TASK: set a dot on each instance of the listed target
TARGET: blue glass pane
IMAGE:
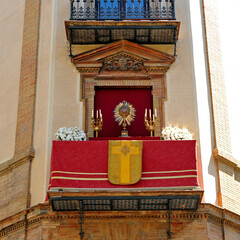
(120, 9)
(134, 9)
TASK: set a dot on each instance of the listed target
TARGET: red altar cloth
(123, 138)
(84, 165)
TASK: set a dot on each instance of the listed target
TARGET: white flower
(174, 133)
(71, 134)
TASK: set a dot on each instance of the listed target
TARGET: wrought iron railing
(122, 9)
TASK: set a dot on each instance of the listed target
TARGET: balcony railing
(122, 9)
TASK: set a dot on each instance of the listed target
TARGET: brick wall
(15, 173)
(28, 76)
(229, 186)
(14, 189)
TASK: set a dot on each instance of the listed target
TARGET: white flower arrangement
(71, 134)
(174, 133)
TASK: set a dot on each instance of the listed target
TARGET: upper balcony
(139, 21)
(122, 10)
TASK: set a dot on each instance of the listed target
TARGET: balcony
(84, 166)
(80, 179)
(139, 21)
(122, 10)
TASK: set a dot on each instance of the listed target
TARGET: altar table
(82, 165)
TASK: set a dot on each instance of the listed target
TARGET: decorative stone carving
(122, 63)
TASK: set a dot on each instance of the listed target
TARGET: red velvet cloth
(83, 165)
(123, 138)
(108, 99)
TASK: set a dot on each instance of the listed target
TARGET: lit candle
(145, 112)
(97, 113)
(100, 112)
(150, 113)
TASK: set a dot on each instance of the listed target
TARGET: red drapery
(83, 165)
(107, 100)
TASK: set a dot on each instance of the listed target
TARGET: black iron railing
(122, 9)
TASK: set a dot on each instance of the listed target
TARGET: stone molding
(15, 162)
(41, 212)
(228, 158)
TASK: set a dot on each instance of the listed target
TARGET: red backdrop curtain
(107, 99)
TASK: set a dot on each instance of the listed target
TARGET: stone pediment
(122, 56)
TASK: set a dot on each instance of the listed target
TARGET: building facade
(58, 55)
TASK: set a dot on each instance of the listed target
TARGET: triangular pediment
(131, 50)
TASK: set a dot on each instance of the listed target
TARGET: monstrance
(124, 114)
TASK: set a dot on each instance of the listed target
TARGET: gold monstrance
(124, 113)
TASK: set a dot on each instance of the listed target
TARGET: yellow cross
(125, 150)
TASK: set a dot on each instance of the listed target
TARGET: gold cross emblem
(125, 162)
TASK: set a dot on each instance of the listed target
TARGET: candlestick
(150, 122)
(97, 123)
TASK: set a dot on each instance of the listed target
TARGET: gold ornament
(124, 114)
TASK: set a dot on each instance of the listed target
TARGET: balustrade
(122, 9)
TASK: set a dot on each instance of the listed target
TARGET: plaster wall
(66, 101)
(43, 106)
(180, 104)
(11, 22)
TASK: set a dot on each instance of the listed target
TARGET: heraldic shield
(124, 162)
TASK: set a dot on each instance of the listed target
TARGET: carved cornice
(162, 70)
(89, 70)
(43, 212)
(12, 228)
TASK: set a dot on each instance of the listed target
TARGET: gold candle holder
(150, 122)
(97, 123)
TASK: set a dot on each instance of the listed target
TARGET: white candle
(150, 113)
(97, 113)
(145, 112)
(100, 112)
